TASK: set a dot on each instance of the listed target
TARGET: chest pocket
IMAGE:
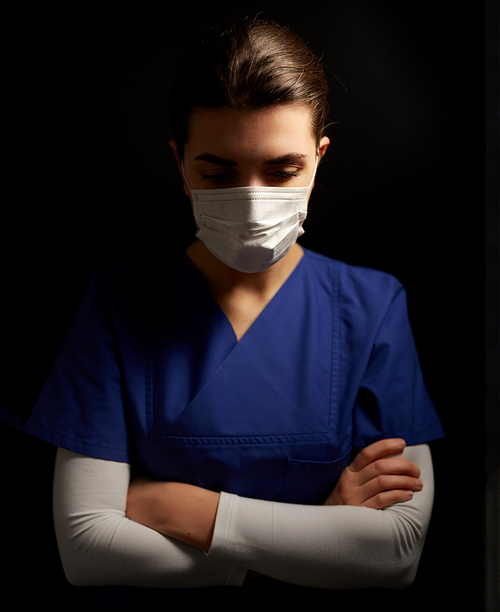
(310, 482)
(270, 469)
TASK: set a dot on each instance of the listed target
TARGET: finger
(388, 466)
(383, 484)
(388, 498)
(377, 450)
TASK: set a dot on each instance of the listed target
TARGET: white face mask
(250, 228)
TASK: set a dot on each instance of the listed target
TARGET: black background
(90, 180)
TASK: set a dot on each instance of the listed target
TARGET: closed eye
(276, 176)
(216, 178)
(285, 175)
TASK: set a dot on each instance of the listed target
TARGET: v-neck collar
(206, 379)
(208, 296)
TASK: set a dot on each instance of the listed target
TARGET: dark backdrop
(90, 180)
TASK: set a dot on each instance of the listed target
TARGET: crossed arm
(369, 532)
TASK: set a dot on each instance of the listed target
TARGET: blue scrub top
(152, 374)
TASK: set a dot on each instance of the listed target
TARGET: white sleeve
(99, 545)
(339, 547)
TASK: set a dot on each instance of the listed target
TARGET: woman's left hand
(378, 477)
(175, 509)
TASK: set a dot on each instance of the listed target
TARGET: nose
(251, 179)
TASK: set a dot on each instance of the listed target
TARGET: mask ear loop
(184, 177)
(315, 168)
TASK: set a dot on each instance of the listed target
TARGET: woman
(236, 381)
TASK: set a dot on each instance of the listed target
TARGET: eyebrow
(282, 159)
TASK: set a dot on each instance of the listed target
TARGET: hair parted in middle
(246, 65)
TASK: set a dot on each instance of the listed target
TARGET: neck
(223, 280)
(242, 297)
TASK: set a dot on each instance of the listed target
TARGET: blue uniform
(152, 374)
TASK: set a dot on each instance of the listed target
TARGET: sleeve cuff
(219, 548)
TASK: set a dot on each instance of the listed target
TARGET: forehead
(266, 132)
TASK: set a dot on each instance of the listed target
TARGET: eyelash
(280, 175)
(285, 176)
(216, 178)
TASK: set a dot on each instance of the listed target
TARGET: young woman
(209, 407)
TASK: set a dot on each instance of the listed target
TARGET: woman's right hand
(378, 477)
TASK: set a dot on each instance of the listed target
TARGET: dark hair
(246, 65)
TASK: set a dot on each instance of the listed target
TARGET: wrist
(178, 510)
(192, 514)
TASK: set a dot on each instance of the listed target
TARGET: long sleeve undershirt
(317, 546)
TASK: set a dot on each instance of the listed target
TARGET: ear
(175, 151)
(177, 156)
(323, 146)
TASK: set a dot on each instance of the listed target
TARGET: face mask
(250, 228)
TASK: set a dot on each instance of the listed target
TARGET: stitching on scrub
(335, 343)
(149, 394)
(304, 462)
(242, 440)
